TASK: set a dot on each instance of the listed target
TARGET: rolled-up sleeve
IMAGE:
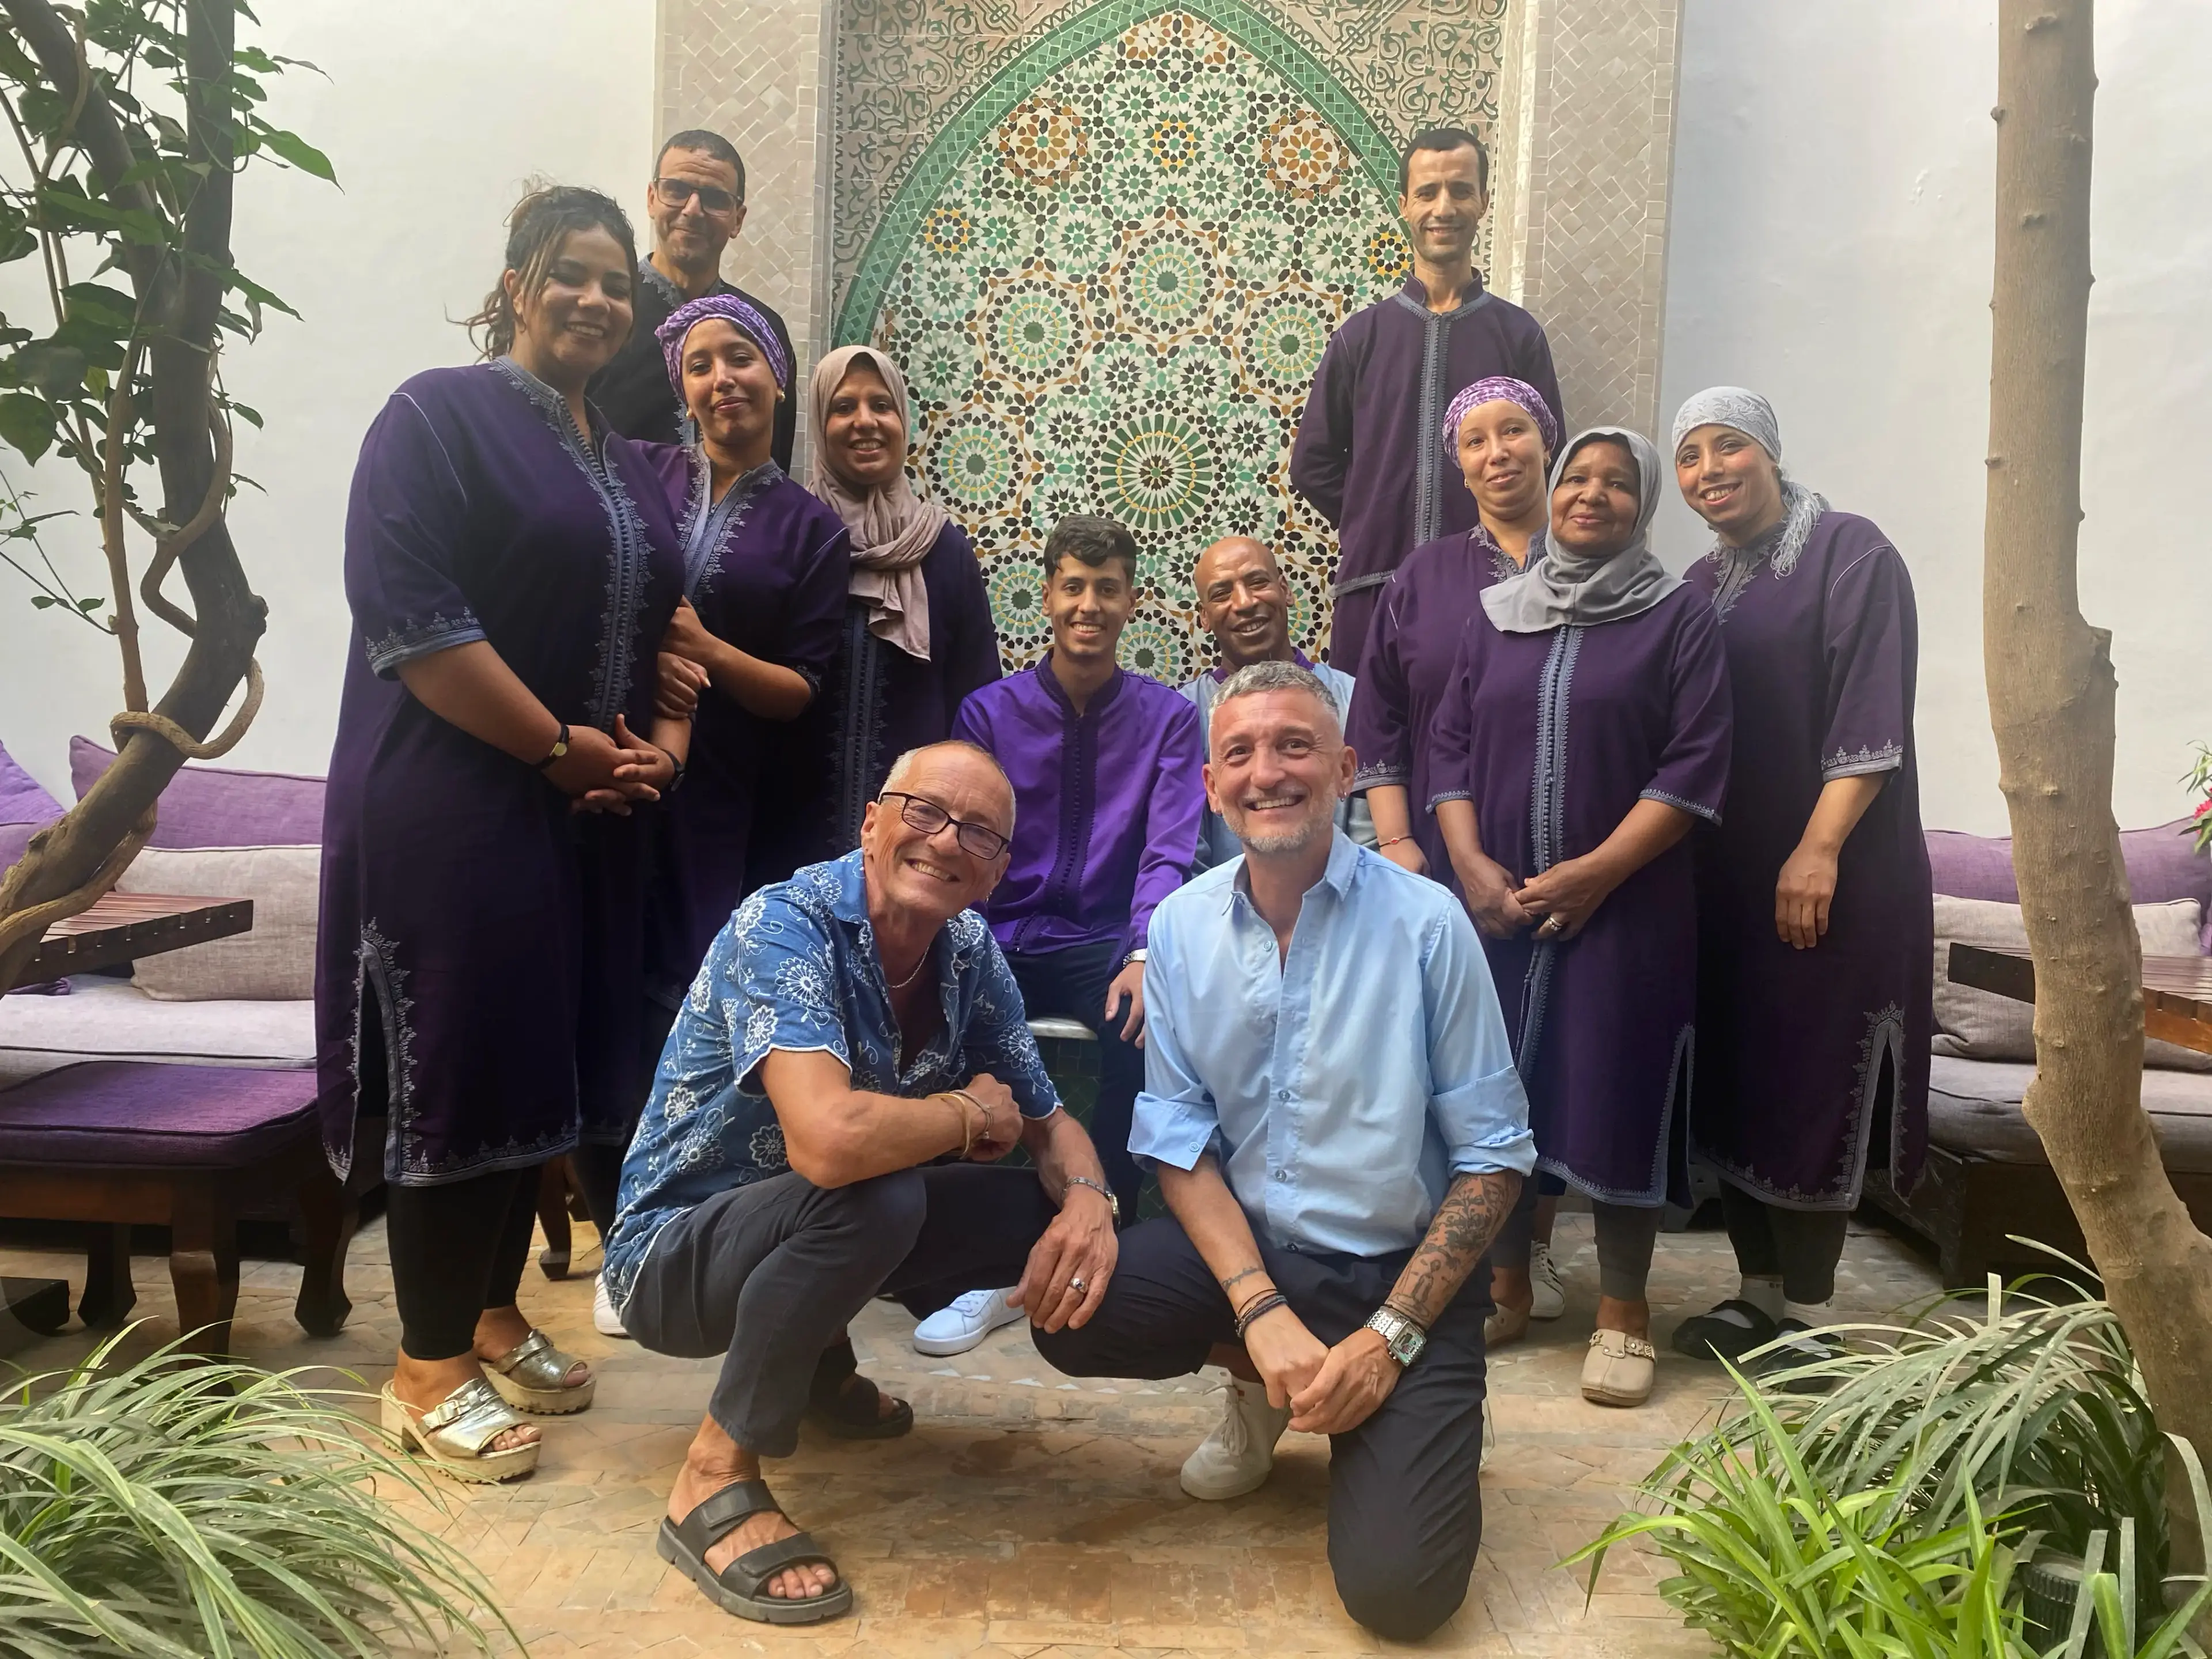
(1175, 1120)
(1476, 1095)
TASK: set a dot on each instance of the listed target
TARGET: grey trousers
(1625, 1236)
(769, 1274)
(1800, 1248)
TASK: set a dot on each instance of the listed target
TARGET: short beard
(1281, 840)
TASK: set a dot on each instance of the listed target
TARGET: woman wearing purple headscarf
(1818, 946)
(1584, 733)
(1502, 434)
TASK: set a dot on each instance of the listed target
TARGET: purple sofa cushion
(22, 800)
(131, 1115)
(2161, 867)
(211, 806)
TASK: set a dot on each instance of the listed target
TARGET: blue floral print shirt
(795, 969)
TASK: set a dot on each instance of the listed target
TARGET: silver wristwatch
(1403, 1340)
(1113, 1204)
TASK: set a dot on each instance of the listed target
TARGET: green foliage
(1888, 1512)
(111, 250)
(174, 1509)
(2198, 782)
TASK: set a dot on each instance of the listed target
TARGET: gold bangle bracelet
(951, 1098)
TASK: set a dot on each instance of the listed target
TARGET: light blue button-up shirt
(1343, 1085)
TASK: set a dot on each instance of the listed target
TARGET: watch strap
(559, 748)
(1113, 1204)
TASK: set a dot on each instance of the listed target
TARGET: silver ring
(1077, 1284)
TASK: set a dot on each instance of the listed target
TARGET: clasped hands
(604, 774)
(1558, 903)
(1329, 1390)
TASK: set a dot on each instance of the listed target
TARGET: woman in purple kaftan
(1817, 947)
(1585, 730)
(1500, 433)
(916, 635)
(511, 571)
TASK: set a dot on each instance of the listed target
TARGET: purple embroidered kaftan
(876, 702)
(1793, 1046)
(479, 945)
(1110, 803)
(1411, 651)
(765, 569)
(1368, 455)
(1554, 737)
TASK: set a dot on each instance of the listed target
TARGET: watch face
(1406, 1346)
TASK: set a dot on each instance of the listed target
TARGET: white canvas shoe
(1543, 1276)
(1238, 1456)
(969, 1319)
(604, 1320)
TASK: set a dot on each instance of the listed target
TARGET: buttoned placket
(1288, 1014)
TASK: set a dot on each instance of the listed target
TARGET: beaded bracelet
(1392, 841)
(1260, 1306)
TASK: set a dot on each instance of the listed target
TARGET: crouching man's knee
(1402, 1597)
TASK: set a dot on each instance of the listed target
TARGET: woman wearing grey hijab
(1817, 938)
(1585, 731)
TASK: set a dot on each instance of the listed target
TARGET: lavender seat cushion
(2161, 867)
(213, 806)
(111, 1114)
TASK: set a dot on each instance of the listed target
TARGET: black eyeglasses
(675, 192)
(919, 812)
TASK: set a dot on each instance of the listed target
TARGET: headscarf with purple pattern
(731, 309)
(1494, 388)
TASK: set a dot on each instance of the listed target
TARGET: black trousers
(1070, 984)
(456, 1250)
(1405, 1512)
(769, 1275)
(1800, 1248)
(598, 1165)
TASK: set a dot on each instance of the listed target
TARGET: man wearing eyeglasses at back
(696, 202)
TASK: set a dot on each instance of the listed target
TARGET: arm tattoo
(1469, 1217)
(1242, 1273)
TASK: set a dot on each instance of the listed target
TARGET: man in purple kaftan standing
(1108, 769)
(1366, 454)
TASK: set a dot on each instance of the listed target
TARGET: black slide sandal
(737, 1587)
(847, 1404)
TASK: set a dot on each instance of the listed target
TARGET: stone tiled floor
(1028, 1514)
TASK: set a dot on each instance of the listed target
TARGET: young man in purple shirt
(1108, 791)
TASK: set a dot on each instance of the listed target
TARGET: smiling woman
(511, 569)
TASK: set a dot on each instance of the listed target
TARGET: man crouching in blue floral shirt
(851, 1057)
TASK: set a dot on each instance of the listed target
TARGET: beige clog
(530, 1377)
(1618, 1370)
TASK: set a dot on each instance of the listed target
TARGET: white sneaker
(1238, 1456)
(1543, 1276)
(604, 1320)
(969, 1319)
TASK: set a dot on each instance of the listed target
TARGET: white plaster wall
(434, 114)
(1831, 247)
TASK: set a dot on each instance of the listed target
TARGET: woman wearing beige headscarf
(918, 635)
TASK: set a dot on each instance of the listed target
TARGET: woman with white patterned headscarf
(1816, 948)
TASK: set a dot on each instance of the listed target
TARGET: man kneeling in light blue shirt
(1331, 1105)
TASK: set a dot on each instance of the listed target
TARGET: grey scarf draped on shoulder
(1565, 588)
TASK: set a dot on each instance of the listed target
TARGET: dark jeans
(1405, 1513)
(1800, 1248)
(456, 1250)
(1070, 984)
(768, 1274)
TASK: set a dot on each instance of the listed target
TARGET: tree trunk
(2051, 684)
(74, 860)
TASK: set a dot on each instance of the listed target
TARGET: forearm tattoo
(1229, 1283)
(1469, 1217)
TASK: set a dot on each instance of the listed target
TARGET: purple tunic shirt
(1555, 737)
(495, 939)
(1793, 1046)
(1368, 453)
(1410, 653)
(1108, 803)
(765, 567)
(876, 702)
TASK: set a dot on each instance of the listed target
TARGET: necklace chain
(900, 984)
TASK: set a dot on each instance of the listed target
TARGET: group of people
(681, 823)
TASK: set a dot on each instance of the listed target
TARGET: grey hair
(1271, 676)
(902, 769)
